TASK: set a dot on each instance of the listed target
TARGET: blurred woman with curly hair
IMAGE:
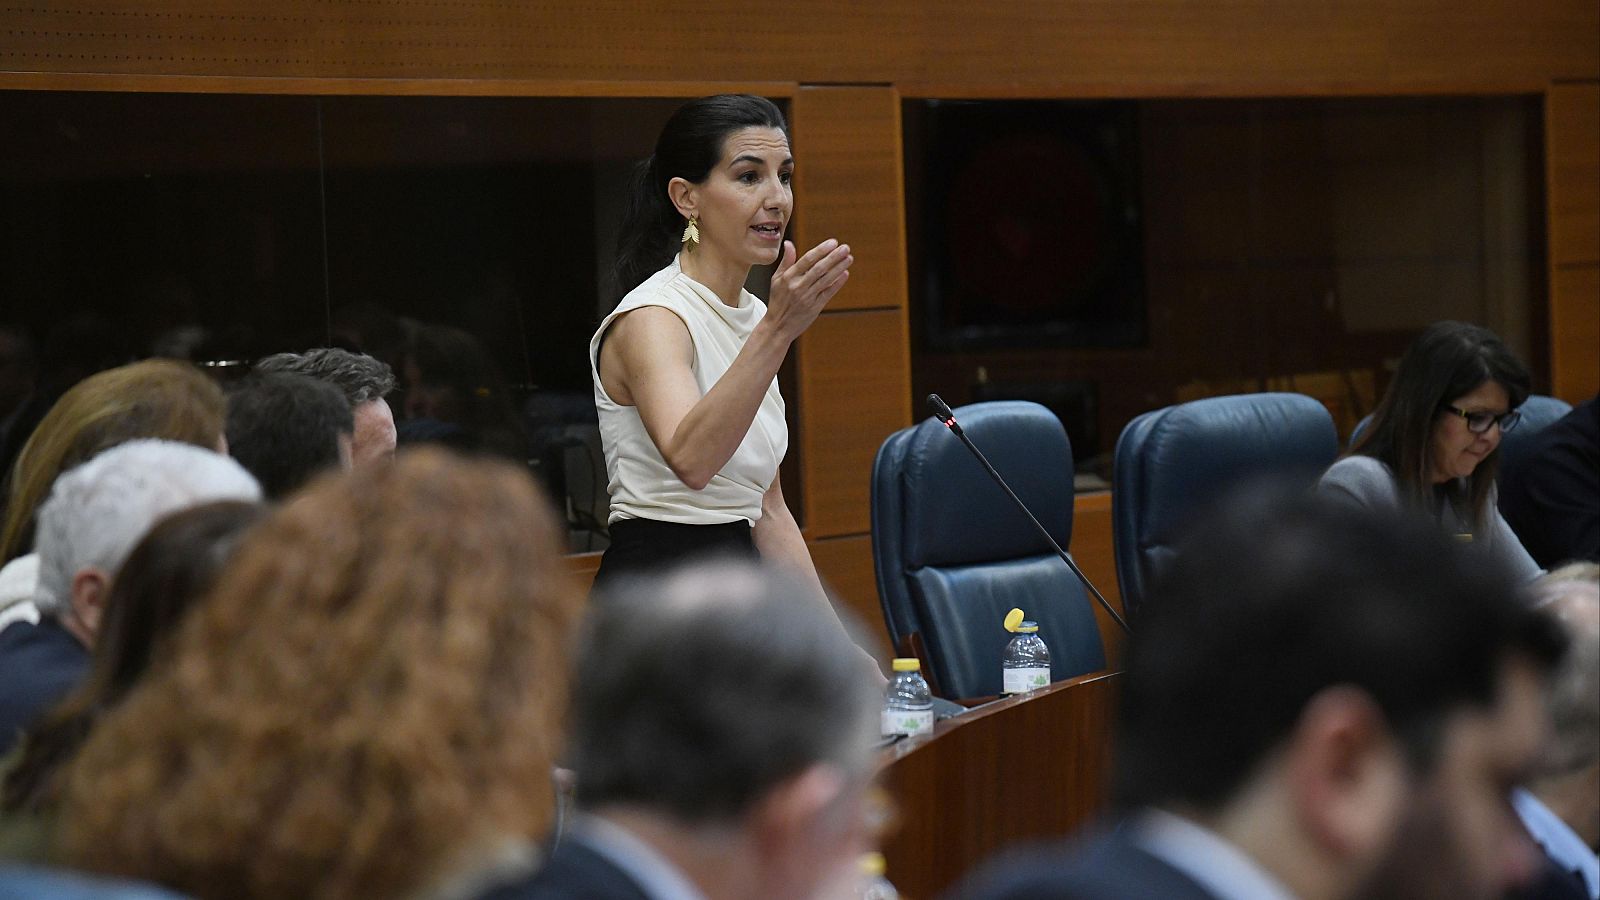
(367, 705)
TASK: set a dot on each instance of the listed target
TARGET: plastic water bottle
(874, 886)
(1027, 661)
(907, 704)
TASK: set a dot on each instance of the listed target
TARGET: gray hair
(1571, 595)
(697, 694)
(98, 511)
(359, 377)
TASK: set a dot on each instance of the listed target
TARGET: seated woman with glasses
(1433, 442)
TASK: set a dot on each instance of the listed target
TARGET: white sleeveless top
(642, 485)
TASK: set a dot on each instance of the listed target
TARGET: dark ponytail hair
(689, 147)
(1448, 359)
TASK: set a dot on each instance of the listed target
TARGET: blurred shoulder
(573, 872)
(1108, 865)
(26, 883)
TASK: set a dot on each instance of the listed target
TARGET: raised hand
(802, 287)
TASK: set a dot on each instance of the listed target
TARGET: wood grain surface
(1023, 769)
(927, 47)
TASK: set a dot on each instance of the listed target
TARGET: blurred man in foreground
(1561, 805)
(1318, 703)
(723, 735)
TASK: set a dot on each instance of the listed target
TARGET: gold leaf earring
(691, 233)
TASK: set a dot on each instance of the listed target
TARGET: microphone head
(941, 409)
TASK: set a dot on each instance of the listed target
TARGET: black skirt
(647, 546)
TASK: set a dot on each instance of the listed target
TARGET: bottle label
(1021, 681)
(907, 721)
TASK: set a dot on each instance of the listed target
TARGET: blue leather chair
(1173, 463)
(1538, 411)
(953, 554)
(29, 883)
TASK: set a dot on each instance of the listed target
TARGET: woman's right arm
(646, 362)
(1505, 544)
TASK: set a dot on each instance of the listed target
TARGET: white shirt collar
(655, 875)
(1559, 841)
(1203, 855)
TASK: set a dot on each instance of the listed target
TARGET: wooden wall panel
(1572, 145)
(1088, 47)
(1572, 122)
(583, 567)
(854, 364)
(849, 185)
(1091, 549)
(1575, 332)
(855, 389)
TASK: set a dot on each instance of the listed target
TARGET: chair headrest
(1191, 452)
(955, 514)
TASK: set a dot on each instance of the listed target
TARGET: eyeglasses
(1479, 422)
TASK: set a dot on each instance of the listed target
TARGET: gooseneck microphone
(941, 411)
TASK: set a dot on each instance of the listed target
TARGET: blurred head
(726, 700)
(363, 380)
(98, 511)
(1454, 380)
(692, 145)
(1362, 682)
(455, 397)
(167, 571)
(448, 376)
(368, 698)
(156, 398)
(1568, 775)
(287, 428)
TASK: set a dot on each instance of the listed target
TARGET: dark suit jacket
(1551, 495)
(1107, 866)
(1553, 883)
(573, 872)
(39, 665)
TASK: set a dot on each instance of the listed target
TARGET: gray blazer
(1367, 482)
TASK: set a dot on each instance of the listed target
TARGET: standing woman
(1434, 440)
(685, 369)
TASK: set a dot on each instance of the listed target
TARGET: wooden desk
(1019, 769)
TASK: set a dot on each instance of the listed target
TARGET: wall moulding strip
(411, 87)
(1163, 90)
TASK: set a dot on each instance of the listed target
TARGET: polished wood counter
(1019, 769)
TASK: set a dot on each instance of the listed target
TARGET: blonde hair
(156, 398)
(1551, 583)
(371, 694)
(1571, 595)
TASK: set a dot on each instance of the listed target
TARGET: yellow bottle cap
(908, 664)
(872, 865)
(1013, 619)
